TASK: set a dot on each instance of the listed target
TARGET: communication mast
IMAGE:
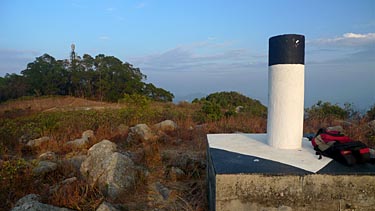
(73, 53)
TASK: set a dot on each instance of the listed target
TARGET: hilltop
(48, 146)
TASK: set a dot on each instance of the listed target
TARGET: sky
(197, 47)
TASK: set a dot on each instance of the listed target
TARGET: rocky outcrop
(32, 202)
(140, 133)
(38, 142)
(166, 126)
(112, 171)
(44, 167)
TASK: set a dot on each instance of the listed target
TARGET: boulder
(166, 126)
(56, 187)
(83, 142)
(105, 206)
(32, 202)
(140, 133)
(48, 156)
(44, 167)
(76, 161)
(79, 143)
(88, 134)
(186, 161)
(238, 109)
(111, 171)
(38, 142)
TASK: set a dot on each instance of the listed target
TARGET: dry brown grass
(26, 106)
(77, 195)
(16, 180)
(188, 191)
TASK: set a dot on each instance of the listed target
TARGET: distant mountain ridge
(189, 97)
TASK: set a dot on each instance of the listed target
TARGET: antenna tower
(73, 53)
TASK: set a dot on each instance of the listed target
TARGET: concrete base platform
(240, 177)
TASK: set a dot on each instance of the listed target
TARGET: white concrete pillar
(286, 74)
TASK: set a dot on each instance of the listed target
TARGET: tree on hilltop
(101, 78)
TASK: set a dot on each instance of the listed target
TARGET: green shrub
(8, 134)
(15, 181)
(323, 110)
(135, 100)
(209, 111)
(370, 114)
(230, 101)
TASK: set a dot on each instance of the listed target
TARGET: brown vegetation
(65, 118)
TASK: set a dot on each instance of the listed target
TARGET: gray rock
(238, 109)
(164, 191)
(75, 161)
(31, 203)
(105, 206)
(83, 142)
(88, 134)
(44, 167)
(56, 187)
(69, 181)
(139, 133)
(110, 170)
(79, 143)
(166, 126)
(105, 147)
(38, 142)
(48, 156)
(186, 161)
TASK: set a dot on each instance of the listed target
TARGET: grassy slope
(65, 118)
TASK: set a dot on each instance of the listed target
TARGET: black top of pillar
(286, 49)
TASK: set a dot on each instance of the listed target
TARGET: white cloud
(359, 36)
(195, 57)
(104, 38)
(347, 39)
